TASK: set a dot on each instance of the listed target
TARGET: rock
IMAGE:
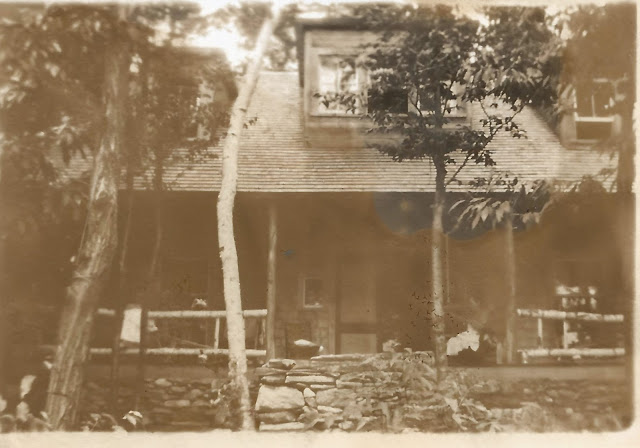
(278, 417)
(264, 371)
(319, 387)
(336, 397)
(293, 426)
(273, 380)
(309, 397)
(347, 425)
(178, 389)
(286, 364)
(309, 379)
(194, 394)
(352, 412)
(162, 382)
(329, 410)
(177, 403)
(278, 399)
(200, 404)
(312, 372)
(348, 384)
(308, 393)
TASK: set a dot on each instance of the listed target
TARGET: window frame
(592, 118)
(361, 75)
(303, 292)
(459, 111)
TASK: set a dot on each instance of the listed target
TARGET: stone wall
(168, 404)
(343, 392)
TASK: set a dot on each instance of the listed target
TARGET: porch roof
(274, 155)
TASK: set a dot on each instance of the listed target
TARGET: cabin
(333, 237)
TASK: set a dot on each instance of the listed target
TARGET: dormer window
(426, 103)
(339, 85)
(594, 102)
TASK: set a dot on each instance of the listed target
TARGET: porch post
(271, 282)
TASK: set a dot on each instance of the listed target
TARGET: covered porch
(348, 271)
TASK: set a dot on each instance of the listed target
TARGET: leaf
(484, 214)
(460, 202)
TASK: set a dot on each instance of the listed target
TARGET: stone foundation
(344, 392)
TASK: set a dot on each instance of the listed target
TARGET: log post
(510, 264)
(271, 282)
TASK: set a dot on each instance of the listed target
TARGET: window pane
(337, 74)
(594, 100)
(603, 99)
(394, 101)
(427, 102)
(593, 130)
(313, 292)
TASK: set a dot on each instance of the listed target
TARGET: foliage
(438, 60)
(499, 199)
(246, 17)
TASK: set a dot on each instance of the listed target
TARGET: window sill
(594, 119)
(337, 114)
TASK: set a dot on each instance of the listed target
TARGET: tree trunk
(271, 282)
(510, 311)
(120, 299)
(95, 254)
(4, 302)
(626, 208)
(437, 273)
(226, 238)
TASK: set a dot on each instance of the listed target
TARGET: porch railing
(215, 317)
(566, 351)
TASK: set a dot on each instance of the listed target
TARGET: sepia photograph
(393, 219)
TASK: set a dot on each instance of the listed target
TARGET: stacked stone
(342, 392)
(166, 405)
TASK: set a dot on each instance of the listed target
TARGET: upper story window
(594, 102)
(339, 85)
(343, 89)
(198, 96)
(426, 102)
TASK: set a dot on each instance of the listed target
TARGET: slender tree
(98, 246)
(226, 238)
(438, 61)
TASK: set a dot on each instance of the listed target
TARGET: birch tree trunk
(437, 271)
(95, 254)
(226, 237)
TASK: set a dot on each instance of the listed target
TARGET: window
(426, 102)
(395, 101)
(198, 96)
(338, 76)
(313, 293)
(593, 104)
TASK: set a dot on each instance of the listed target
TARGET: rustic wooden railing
(565, 350)
(214, 349)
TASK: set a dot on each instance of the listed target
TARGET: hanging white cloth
(131, 325)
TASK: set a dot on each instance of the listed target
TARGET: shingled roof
(275, 158)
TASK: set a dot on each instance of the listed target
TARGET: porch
(349, 271)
